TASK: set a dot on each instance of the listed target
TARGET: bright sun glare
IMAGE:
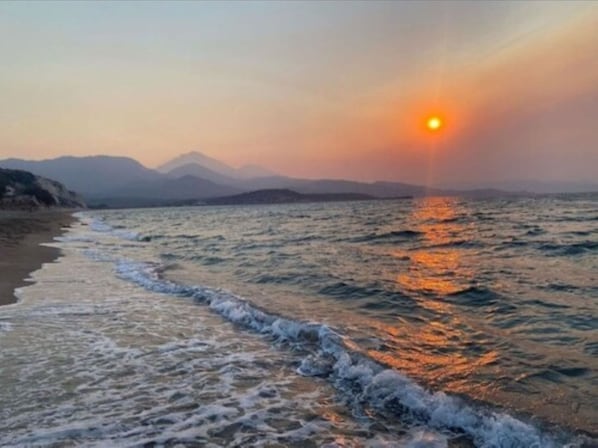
(434, 123)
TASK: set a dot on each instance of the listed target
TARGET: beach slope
(21, 233)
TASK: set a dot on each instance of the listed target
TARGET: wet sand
(21, 234)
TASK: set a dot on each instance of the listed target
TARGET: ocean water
(437, 322)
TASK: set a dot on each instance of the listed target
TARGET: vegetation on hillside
(23, 189)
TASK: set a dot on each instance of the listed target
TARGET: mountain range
(89, 176)
(124, 182)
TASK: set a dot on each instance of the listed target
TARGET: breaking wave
(361, 380)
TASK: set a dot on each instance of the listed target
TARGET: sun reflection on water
(437, 267)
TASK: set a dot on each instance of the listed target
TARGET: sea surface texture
(437, 322)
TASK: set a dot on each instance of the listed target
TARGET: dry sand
(21, 234)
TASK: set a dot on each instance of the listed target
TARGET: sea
(425, 322)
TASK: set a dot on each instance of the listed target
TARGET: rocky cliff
(21, 189)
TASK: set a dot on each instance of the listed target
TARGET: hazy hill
(90, 176)
(120, 181)
(196, 158)
(250, 171)
(283, 196)
(194, 169)
(535, 186)
(22, 189)
(307, 186)
(165, 189)
(379, 189)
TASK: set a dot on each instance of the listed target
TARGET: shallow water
(430, 322)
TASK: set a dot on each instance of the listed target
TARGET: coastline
(21, 253)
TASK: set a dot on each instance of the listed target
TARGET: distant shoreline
(21, 236)
(258, 197)
(264, 197)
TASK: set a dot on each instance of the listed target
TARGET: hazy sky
(315, 89)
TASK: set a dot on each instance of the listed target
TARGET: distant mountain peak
(193, 153)
(214, 165)
(196, 157)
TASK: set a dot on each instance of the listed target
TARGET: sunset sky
(309, 89)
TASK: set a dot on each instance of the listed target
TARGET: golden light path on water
(436, 271)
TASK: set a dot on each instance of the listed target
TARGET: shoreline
(21, 253)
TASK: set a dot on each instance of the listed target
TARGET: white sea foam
(426, 439)
(120, 366)
(18, 292)
(361, 378)
(78, 238)
(98, 225)
(101, 226)
(97, 255)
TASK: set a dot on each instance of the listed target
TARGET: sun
(434, 123)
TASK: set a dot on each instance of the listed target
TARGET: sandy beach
(21, 234)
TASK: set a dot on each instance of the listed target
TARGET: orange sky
(309, 89)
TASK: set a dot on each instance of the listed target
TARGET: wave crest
(361, 380)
